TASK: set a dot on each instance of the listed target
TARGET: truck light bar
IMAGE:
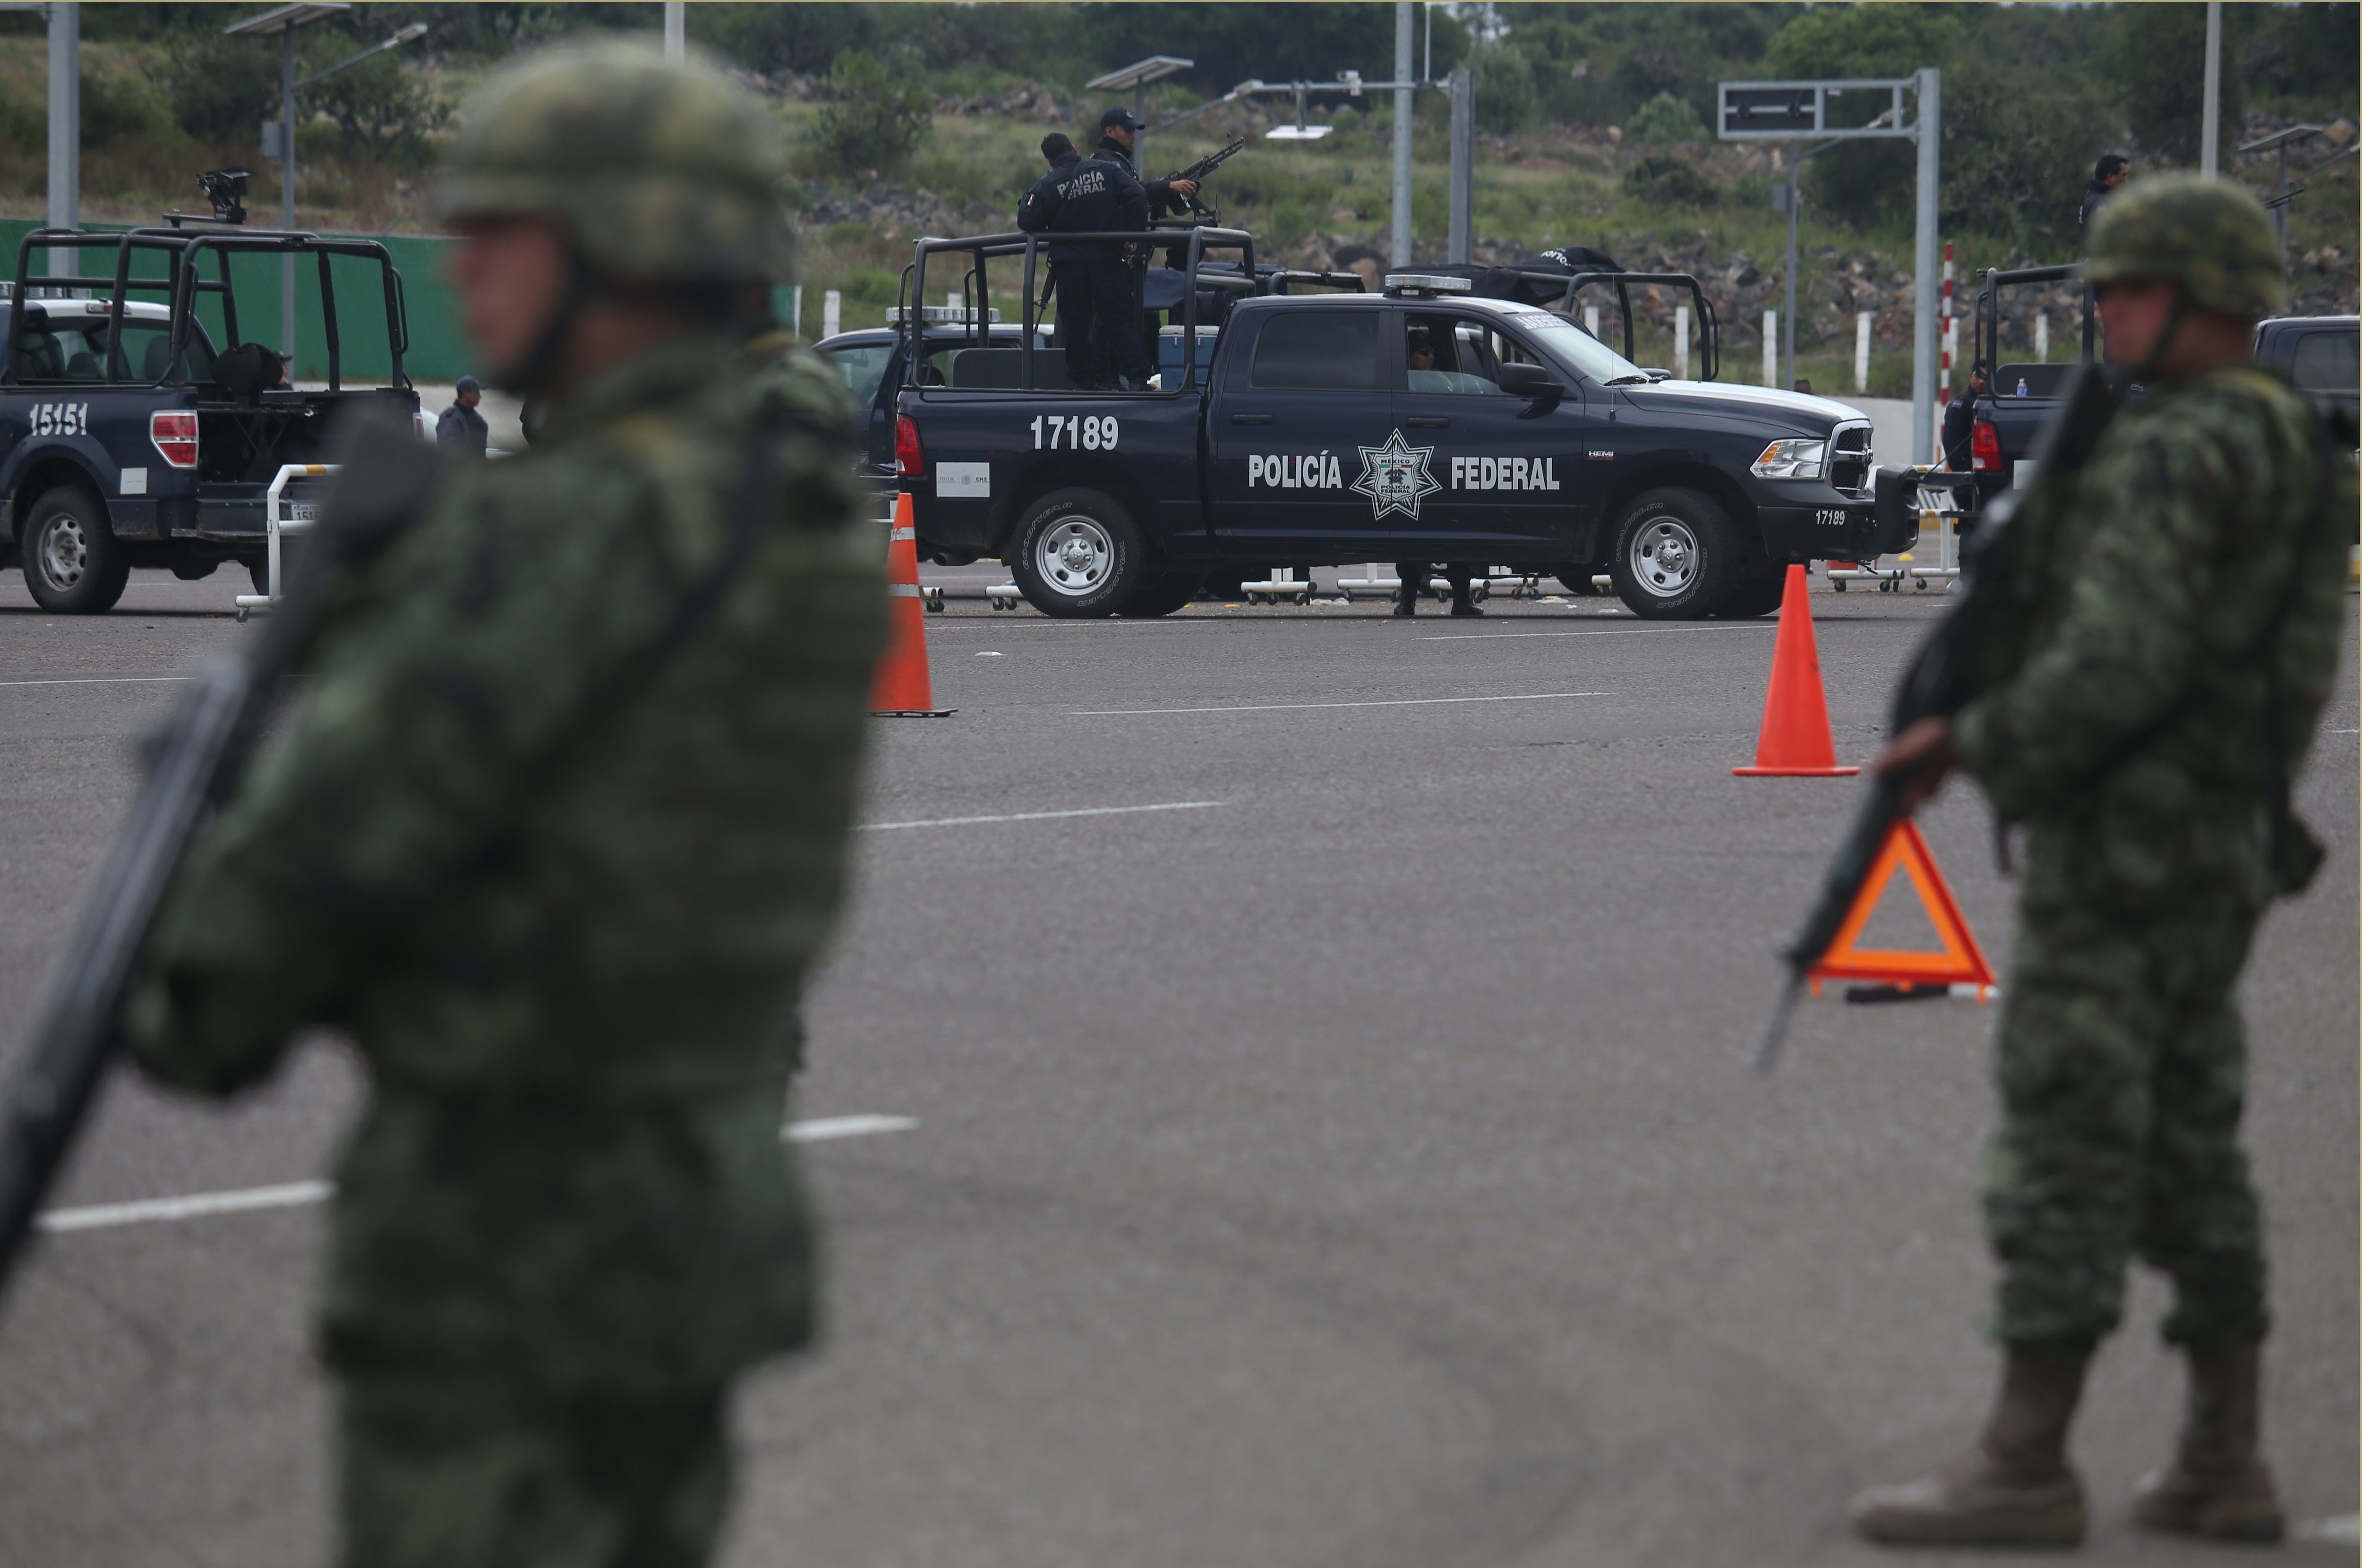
(897, 315)
(1425, 283)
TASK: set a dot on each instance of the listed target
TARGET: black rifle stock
(1937, 683)
(195, 763)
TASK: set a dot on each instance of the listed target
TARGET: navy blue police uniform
(1103, 320)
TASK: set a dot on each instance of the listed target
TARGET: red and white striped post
(1943, 372)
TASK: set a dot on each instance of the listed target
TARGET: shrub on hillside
(1665, 118)
(871, 120)
(1663, 179)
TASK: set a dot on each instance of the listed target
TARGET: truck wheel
(1162, 594)
(72, 563)
(1676, 556)
(1078, 555)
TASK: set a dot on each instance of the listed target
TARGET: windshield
(1593, 360)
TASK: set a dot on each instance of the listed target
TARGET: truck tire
(1676, 556)
(1078, 556)
(1162, 593)
(73, 566)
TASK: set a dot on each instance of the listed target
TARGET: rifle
(195, 763)
(1937, 683)
(1199, 169)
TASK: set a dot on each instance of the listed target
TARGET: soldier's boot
(2217, 1485)
(2015, 1488)
(1406, 598)
(1462, 603)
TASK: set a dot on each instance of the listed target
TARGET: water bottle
(2021, 386)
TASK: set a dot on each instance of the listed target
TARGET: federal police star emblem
(1395, 477)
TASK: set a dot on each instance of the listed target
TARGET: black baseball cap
(1120, 117)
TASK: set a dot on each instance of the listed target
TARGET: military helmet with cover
(656, 169)
(2208, 235)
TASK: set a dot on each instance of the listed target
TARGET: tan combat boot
(2216, 1486)
(2015, 1488)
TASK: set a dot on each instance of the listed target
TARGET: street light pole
(2209, 119)
(1930, 129)
(1403, 100)
(1788, 322)
(287, 193)
(65, 126)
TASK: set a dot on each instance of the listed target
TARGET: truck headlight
(1791, 459)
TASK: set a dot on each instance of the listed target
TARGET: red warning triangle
(1961, 962)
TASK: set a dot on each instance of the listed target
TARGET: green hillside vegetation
(1594, 126)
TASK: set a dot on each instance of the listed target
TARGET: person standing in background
(461, 430)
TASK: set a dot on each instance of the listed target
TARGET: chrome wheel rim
(1075, 556)
(65, 553)
(1664, 557)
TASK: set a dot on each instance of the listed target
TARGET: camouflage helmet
(2208, 235)
(656, 169)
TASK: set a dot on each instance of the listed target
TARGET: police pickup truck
(146, 432)
(1420, 423)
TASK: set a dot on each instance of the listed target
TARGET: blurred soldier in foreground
(2175, 635)
(555, 837)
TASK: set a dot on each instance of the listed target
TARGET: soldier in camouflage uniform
(2176, 612)
(554, 836)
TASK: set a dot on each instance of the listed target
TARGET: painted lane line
(1284, 707)
(2339, 1530)
(1044, 816)
(295, 1194)
(198, 1205)
(107, 680)
(1603, 632)
(827, 1128)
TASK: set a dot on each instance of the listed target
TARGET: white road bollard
(832, 313)
(1681, 343)
(1003, 595)
(1862, 351)
(280, 517)
(1771, 348)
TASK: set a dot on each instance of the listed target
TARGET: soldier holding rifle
(2161, 633)
(557, 830)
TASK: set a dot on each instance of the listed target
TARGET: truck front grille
(1849, 457)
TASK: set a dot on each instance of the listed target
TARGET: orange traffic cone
(1795, 740)
(1959, 962)
(901, 689)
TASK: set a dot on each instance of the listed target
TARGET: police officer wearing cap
(462, 431)
(553, 838)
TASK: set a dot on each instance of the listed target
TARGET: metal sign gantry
(1795, 111)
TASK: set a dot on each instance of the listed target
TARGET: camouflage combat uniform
(556, 851)
(2129, 730)
(2173, 615)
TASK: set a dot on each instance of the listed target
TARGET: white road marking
(2338, 1529)
(99, 1216)
(1281, 707)
(107, 681)
(2345, 732)
(293, 1194)
(1043, 816)
(1604, 632)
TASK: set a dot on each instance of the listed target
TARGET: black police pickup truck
(130, 435)
(1421, 422)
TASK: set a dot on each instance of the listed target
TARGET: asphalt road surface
(1348, 1163)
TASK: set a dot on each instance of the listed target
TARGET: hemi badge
(1610, 455)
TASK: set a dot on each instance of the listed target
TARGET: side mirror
(1531, 383)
